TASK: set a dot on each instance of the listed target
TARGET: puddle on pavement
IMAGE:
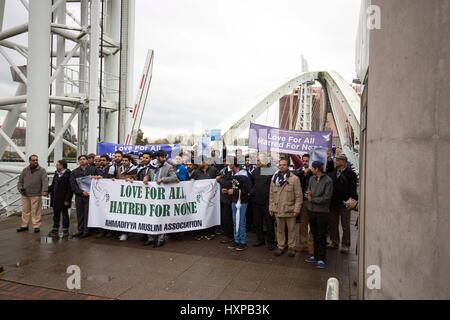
(45, 240)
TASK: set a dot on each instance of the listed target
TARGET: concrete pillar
(94, 63)
(38, 74)
(2, 13)
(112, 70)
(59, 85)
(126, 67)
(407, 169)
(83, 78)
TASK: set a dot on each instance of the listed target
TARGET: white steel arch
(343, 100)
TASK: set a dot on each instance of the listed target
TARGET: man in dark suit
(60, 198)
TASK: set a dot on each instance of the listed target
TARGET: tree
(161, 141)
(140, 140)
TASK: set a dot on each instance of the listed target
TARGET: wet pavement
(182, 269)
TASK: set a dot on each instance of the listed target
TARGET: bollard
(332, 289)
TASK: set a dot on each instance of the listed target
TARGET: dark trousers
(318, 222)
(249, 217)
(57, 218)
(82, 205)
(342, 214)
(226, 219)
(261, 218)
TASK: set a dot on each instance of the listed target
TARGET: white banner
(154, 209)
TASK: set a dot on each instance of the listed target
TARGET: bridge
(399, 114)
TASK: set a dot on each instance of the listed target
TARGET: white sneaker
(123, 237)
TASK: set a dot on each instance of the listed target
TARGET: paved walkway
(182, 269)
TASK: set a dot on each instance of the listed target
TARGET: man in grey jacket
(320, 191)
(32, 185)
(163, 173)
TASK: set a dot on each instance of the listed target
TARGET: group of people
(319, 197)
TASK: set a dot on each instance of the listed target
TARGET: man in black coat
(344, 188)
(224, 178)
(60, 198)
(82, 196)
(306, 240)
(262, 177)
(204, 171)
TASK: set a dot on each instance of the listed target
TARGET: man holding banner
(80, 181)
(240, 192)
(164, 173)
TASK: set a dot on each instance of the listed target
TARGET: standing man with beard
(285, 204)
(319, 193)
(60, 198)
(82, 197)
(205, 171)
(113, 169)
(144, 166)
(260, 204)
(239, 192)
(163, 173)
(32, 185)
(306, 241)
(344, 188)
(224, 179)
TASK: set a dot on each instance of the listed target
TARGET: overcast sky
(216, 58)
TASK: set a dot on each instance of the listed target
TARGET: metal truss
(79, 53)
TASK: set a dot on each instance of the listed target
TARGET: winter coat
(344, 187)
(33, 182)
(261, 188)
(286, 201)
(60, 191)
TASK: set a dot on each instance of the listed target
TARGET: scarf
(279, 179)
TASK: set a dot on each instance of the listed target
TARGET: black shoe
(209, 237)
(100, 235)
(279, 252)
(148, 242)
(109, 234)
(65, 234)
(84, 235)
(259, 244)
(22, 229)
(241, 247)
(159, 244)
(291, 253)
(271, 247)
(53, 233)
(226, 240)
(233, 245)
(37, 230)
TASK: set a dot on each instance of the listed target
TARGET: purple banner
(270, 139)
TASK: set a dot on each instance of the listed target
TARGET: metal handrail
(9, 180)
(10, 203)
(7, 190)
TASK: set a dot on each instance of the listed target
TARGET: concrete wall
(407, 194)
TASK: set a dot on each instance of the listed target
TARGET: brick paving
(182, 269)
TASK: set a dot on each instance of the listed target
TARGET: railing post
(332, 289)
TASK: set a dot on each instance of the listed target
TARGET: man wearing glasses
(32, 185)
